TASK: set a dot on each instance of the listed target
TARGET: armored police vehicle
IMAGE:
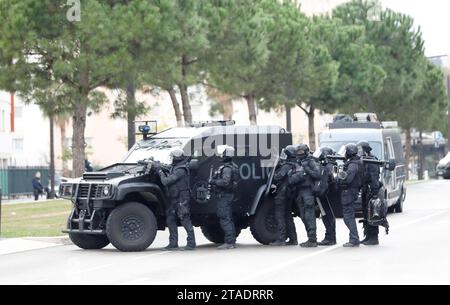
(385, 140)
(125, 203)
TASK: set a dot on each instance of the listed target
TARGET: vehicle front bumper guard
(83, 224)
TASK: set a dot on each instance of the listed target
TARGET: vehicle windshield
(339, 147)
(158, 149)
(445, 160)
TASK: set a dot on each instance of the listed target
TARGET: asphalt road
(417, 251)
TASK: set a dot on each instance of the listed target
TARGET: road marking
(311, 255)
(421, 219)
(287, 263)
(35, 282)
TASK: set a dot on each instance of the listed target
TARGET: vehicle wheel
(215, 234)
(89, 242)
(398, 207)
(263, 225)
(131, 227)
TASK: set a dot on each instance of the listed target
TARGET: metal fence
(17, 181)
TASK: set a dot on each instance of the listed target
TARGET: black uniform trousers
(307, 208)
(225, 215)
(349, 197)
(329, 220)
(179, 209)
(283, 216)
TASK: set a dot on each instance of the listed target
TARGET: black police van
(385, 140)
(125, 203)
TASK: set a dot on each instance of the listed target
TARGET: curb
(19, 245)
(58, 240)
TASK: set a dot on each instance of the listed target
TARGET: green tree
(136, 22)
(240, 50)
(179, 48)
(301, 66)
(82, 56)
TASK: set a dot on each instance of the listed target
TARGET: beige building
(106, 137)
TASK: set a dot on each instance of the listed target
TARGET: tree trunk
(251, 104)
(51, 194)
(78, 140)
(289, 118)
(131, 113)
(176, 107)
(187, 112)
(311, 128)
(65, 166)
(421, 157)
(408, 150)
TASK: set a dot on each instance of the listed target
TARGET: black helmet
(290, 151)
(177, 155)
(351, 150)
(302, 151)
(323, 152)
(227, 154)
(365, 146)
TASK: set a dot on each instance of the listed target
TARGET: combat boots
(227, 247)
(309, 244)
(327, 243)
(292, 242)
(171, 247)
(370, 241)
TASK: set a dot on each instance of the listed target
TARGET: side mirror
(193, 165)
(391, 165)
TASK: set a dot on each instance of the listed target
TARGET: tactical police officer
(370, 189)
(350, 180)
(283, 199)
(305, 180)
(176, 181)
(225, 181)
(327, 167)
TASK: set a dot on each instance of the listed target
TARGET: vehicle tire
(89, 242)
(398, 207)
(215, 234)
(131, 227)
(263, 225)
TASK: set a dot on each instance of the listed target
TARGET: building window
(18, 145)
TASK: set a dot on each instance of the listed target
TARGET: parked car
(385, 140)
(443, 167)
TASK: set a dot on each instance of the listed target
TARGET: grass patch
(40, 219)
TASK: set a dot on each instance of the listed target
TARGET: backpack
(320, 187)
(377, 213)
(361, 172)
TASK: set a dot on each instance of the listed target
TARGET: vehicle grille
(96, 191)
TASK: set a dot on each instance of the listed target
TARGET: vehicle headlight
(67, 190)
(106, 190)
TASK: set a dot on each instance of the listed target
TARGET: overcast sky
(433, 17)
